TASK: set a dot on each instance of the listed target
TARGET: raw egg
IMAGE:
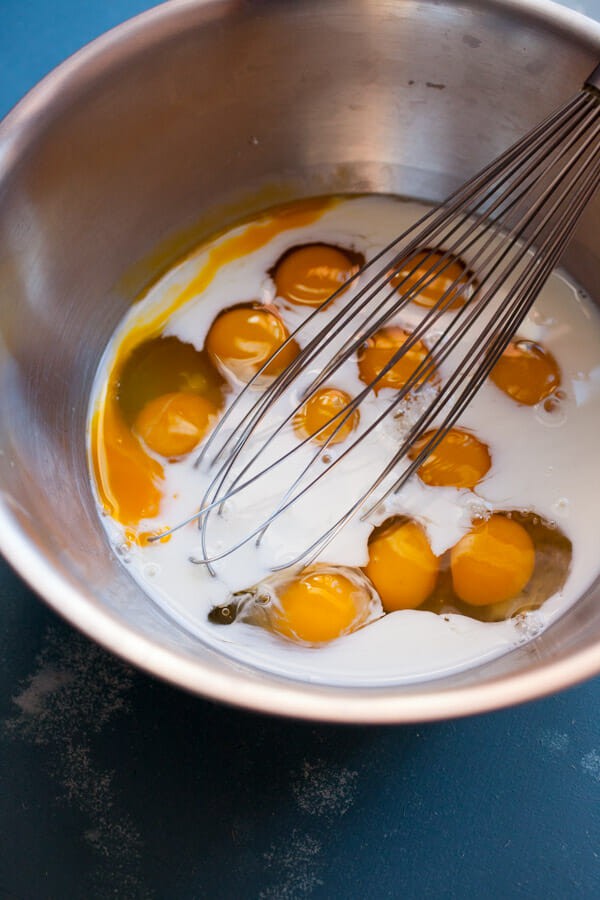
(319, 606)
(493, 562)
(450, 275)
(377, 353)
(402, 566)
(460, 460)
(165, 365)
(321, 409)
(527, 372)
(165, 392)
(309, 275)
(243, 338)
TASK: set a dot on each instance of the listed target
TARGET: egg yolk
(446, 271)
(319, 607)
(526, 372)
(309, 275)
(174, 424)
(164, 365)
(493, 562)
(402, 566)
(378, 351)
(136, 410)
(319, 410)
(242, 339)
(460, 460)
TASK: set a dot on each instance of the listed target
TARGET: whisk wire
(414, 380)
(511, 222)
(454, 202)
(314, 346)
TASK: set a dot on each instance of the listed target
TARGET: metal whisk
(512, 221)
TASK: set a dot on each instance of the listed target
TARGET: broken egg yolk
(449, 274)
(493, 562)
(379, 350)
(309, 275)
(243, 338)
(128, 479)
(527, 372)
(460, 460)
(321, 409)
(320, 606)
(173, 424)
(163, 393)
(402, 566)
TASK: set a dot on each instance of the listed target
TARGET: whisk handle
(594, 79)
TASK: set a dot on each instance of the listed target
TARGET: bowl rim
(58, 588)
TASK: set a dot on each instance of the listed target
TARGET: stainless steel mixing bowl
(172, 125)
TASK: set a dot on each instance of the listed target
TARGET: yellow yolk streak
(248, 240)
(127, 478)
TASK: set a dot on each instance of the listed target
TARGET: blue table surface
(113, 784)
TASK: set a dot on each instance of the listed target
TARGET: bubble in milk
(123, 550)
(551, 411)
(561, 506)
(475, 508)
(527, 626)
(541, 318)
